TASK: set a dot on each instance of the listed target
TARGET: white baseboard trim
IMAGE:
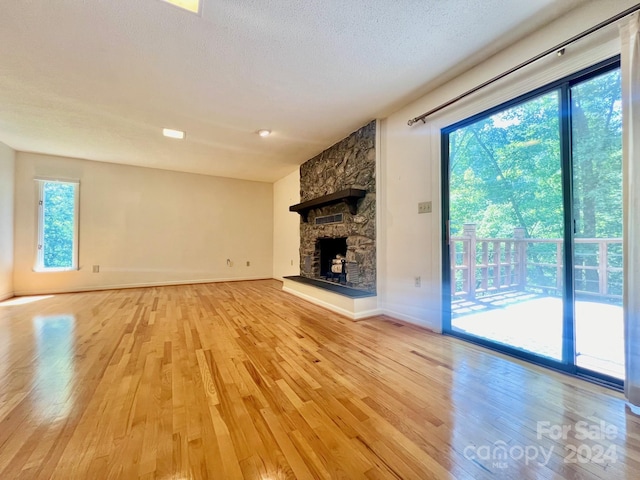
(22, 293)
(367, 314)
(409, 319)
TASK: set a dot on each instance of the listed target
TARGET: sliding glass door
(597, 205)
(505, 189)
(533, 209)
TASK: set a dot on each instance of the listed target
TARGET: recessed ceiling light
(264, 132)
(169, 132)
(189, 5)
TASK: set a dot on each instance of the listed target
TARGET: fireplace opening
(333, 253)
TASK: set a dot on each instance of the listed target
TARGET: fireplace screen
(333, 253)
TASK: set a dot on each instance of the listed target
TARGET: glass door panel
(597, 209)
(506, 228)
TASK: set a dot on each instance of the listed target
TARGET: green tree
(59, 208)
(511, 161)
(505, 172)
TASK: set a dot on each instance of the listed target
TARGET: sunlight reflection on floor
(12, 302)
(53, 382)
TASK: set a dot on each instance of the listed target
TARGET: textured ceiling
(99, 79)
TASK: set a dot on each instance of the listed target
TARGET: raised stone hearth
(330, 286)
(353, 303)
(349, 164)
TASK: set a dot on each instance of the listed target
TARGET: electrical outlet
(292, 262)
(248, 263)
(96, 269)
(424, 207)
(418, 281)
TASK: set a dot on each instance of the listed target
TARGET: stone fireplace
(338, 211)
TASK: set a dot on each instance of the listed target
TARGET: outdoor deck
(534, 323)
(511, 294)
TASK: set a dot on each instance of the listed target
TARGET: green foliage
(597, 156)
(59, 206)
(505, 170)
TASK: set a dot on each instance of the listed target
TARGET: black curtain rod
(555, 49)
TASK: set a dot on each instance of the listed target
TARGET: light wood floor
(240, 380)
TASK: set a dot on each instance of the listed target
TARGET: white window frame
(39, 264)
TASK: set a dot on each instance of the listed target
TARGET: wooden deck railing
(483, 266)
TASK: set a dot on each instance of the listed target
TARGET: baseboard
(22, 293)
(6, 296)
(368, 314)
(409, 319)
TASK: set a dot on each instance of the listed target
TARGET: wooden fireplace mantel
(350, 196)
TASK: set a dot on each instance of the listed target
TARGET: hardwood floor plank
(243, 381)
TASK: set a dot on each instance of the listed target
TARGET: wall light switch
(96, 269)
(424, 207)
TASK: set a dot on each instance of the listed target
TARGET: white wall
(286, 226)
(410, 157)
(7, 170)
(144, 226)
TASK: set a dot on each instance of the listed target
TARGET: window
(57, 247)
